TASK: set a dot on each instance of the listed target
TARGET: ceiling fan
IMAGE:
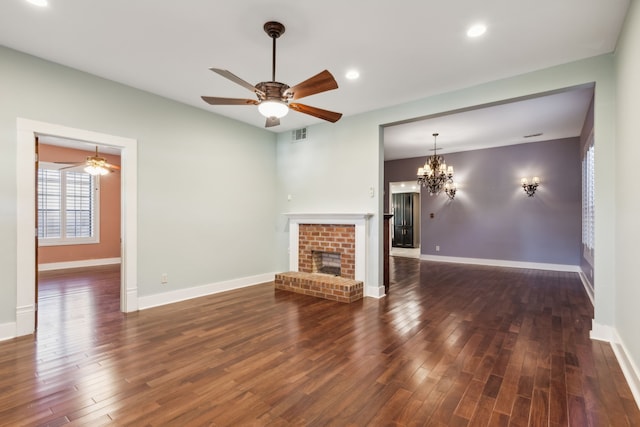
(273, 97)
(93, 165)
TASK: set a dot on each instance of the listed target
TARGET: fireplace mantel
(360, 221)
(327, 218)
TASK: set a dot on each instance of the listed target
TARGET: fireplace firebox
(326, 262)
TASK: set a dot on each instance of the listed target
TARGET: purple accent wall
(491, 216)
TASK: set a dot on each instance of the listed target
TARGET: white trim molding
(25, 320)
(629, 369)
(78, 264)
(361, 223)
(7, 331)
(177, 295)
(502, 263)
(588, 286)
(27, 130)
(602, 332)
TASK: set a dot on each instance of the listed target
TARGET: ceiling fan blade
(321, 82)
(71, 165)
(229, 75)
(214, 100)
(330, 116)
(110, 166)
(272, 121)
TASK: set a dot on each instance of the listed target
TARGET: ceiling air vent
(299, 134)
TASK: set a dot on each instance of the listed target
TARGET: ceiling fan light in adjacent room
(95, 168)
(276, 109)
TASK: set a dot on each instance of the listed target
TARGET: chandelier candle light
(435, 175)
(530, 189)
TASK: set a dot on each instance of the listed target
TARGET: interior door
(403, 220)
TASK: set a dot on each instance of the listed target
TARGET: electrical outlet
(437, 248)
(164, 278)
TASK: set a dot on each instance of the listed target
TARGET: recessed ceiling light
(476, 30)
(352, 74)
(41, 3)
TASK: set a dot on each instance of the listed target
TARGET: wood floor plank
(450, 345)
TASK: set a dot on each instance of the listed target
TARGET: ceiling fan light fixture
(271, 108)
(96, 165)
(96, 170)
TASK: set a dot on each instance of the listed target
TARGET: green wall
(627, 291)
(202, 218)
(335, 168)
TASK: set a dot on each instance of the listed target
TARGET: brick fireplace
(318, 242)
(338, 236)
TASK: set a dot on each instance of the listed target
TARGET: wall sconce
(450, 189)
(530, 189)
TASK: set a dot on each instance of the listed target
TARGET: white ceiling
(405, 50)
(543, 118)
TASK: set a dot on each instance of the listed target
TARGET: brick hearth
(344, 235)
(320, 285)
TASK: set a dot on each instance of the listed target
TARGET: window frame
(64, 240)
(588, 200)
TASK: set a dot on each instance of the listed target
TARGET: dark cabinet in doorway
(406, 218)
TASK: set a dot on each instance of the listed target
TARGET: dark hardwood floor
(451, 345)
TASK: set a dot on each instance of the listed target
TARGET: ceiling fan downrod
(274, 30)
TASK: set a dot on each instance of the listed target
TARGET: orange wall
(109, 192)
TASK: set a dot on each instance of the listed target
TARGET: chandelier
(435, 176)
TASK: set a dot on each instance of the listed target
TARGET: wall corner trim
(374, 292)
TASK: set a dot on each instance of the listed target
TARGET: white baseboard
(602, 332)
(155, 300)
(588, 286)
(7, 331)
(629, 369)
(25, 320)
(374, 291)
(502, 263)
(78, 264)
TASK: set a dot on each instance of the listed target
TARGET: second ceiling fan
(273, 98)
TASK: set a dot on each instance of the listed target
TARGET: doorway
(78, 223)
(26, 212)
(405, 223)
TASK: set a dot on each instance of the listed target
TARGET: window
(67, 206)
(588, 201)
